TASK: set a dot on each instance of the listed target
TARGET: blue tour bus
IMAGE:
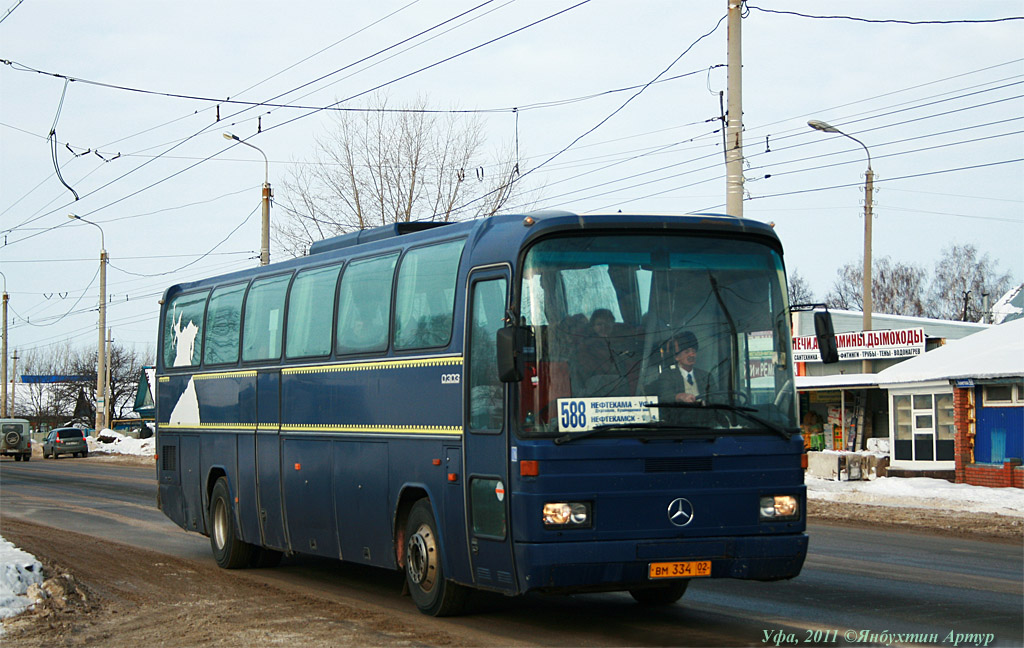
(488, 404)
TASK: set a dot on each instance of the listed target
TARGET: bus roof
(503, 229)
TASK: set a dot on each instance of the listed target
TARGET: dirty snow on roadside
(919, 492)
(18, 570)
(121, 444)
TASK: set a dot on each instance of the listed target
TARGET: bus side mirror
(510, 361)
(826, 337)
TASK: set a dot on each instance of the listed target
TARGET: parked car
(16, 439)
(65, 441)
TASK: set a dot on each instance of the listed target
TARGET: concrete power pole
(106, 383)
(869, 195)
(734, 122)
(3, 370)
(14, 373)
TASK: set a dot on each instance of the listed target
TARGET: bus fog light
(779, 507)
(567, 514)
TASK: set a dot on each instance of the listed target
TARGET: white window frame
(934, 389)
(1016, 396)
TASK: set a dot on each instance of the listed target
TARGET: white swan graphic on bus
(186, 410)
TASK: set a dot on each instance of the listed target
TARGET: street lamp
(265, 238)
(101, 354)
(869, 185)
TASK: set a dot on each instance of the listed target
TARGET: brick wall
(1010, 474)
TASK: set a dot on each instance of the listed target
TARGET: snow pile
(18, 570)
(919, 492)
(110, 442)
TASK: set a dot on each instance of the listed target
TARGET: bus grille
(676, 464)
(169, 458)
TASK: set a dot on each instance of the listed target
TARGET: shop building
(959, 410)
(844, 409)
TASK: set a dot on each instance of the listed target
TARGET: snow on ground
(20, 570)
(919, 492)
(121, 444)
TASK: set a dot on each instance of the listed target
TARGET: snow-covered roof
(997, 352)
(1010, 306)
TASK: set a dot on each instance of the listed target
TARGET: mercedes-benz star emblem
(680, 512)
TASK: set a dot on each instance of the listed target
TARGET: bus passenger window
(311, 313)
(183, 332)
(264, 315)
(223, 325)
(364, 305)
(425, 298)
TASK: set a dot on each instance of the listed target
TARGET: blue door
(486, 440)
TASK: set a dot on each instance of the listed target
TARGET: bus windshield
(654, 335)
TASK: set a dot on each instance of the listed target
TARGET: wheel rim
(220, 523)
(419, 558)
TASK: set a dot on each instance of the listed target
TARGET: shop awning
(838, 381)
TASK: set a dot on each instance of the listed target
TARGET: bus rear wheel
(430, 590)
(660, 595)
(228, 550)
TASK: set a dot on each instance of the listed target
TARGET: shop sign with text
(864, 345)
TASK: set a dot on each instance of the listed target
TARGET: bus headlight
(573, 515)
(779, 507)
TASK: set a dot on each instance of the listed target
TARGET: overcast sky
(939, 106)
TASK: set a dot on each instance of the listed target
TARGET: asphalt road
(859, 586)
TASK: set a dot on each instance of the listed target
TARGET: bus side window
(183, 330)
(425, 298)
(364, 305)
(311, 312)
(264, 316)
(223, 325)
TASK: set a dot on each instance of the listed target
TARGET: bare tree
(896, 288)
(799, 290)
(44, 401)
(383, 166)
(960, 281)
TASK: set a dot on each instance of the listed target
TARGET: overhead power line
(887, 20)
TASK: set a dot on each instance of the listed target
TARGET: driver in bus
(683, 382)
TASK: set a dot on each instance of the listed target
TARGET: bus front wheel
(228, 550)
(660, 595)
(432, 593)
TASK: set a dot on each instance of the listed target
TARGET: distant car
(16, 439)
(65, 441)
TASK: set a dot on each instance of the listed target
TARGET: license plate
(688, 569)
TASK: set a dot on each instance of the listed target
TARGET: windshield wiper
(746, 412)
(620, 427)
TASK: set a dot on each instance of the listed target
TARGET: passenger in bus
(682, 382)
(605, 361)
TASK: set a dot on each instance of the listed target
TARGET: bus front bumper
(618, 565)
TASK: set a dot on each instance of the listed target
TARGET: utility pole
(106, 383)
(14, 373)
(3, 369)
(265, 229)
(734, 122)
(869, 201)
(100, 348)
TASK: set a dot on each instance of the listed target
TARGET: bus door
(268, 459)
(486, 439)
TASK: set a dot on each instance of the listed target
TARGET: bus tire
(430, 590)
(228, 550)
(660, 595)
